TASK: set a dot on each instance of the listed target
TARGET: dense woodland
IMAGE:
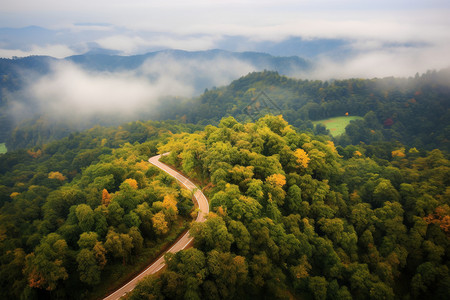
(292, 216)
(294, 212)
(414, 111)
(82, 207)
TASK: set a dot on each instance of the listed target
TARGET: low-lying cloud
(370, 59)
(70, 92)
(54, 50)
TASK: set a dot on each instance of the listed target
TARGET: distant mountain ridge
(261, 61)
(285, 65)
(87, 38)
(198, 70)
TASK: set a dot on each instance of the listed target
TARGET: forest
(77, 212)
(295, 213)
(414, 111)
(291, 216)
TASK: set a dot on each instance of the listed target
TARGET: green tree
(212, 234)
(119, 245)
(85, 216)
(44, 267)
(88, 267)
(318, 287)
(229, 272)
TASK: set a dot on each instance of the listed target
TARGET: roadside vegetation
(77, 216)
(292, 212)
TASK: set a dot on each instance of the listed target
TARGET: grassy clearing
(3, 149)
(337, 125)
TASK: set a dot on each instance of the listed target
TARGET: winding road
(181, 244)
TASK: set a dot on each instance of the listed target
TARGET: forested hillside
(294, 211)
(193, 71)
(85, 211)
(292, 217)
(415, 111)
(292, 214)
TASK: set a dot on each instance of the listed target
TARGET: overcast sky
(134, 26)
(398, 18)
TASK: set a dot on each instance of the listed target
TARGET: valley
(325, 205)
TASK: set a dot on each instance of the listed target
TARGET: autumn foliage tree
(440, 217)
(46, 265)
(302, 158)
(106, 197)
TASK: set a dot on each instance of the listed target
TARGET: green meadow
(3, 148)
(337, 125)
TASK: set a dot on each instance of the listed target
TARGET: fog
(71, 93)
(370, 60)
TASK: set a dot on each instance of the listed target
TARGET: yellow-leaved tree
(170, 207)
(56, 175)
(159, 223)
(131, 182)
(106, 197)
(302, 158)
(398, 153)
(276, 180)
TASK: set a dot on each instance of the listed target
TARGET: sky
(343, 39)
(401, 35)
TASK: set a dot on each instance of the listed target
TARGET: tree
(212, 234)
(229, 272)
(300, 271)
(131, 183)
(440, 217)
(160, 225)
(115, 214)
(318, 287)
(119, 245)
(333, 228)
(106, 197)
(191, 264)
(44, 267)
(302, 158)
(137, 240)
(383, 192)
(100, 254)
(85, 216)
(145, 214)
(88, 240)
(170, 208)
(87, 267)
(57, 175)
(241, 175)
(294, 199)
(241, 237)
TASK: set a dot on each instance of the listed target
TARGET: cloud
(125, 44)
(140, 43)
(375, 60)
(55, 50)
(214, 70)
(71, 93)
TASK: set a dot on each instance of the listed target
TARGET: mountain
(87, 38)
(261, 61)
(169, 72)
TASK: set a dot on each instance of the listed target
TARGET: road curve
(181, 243)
